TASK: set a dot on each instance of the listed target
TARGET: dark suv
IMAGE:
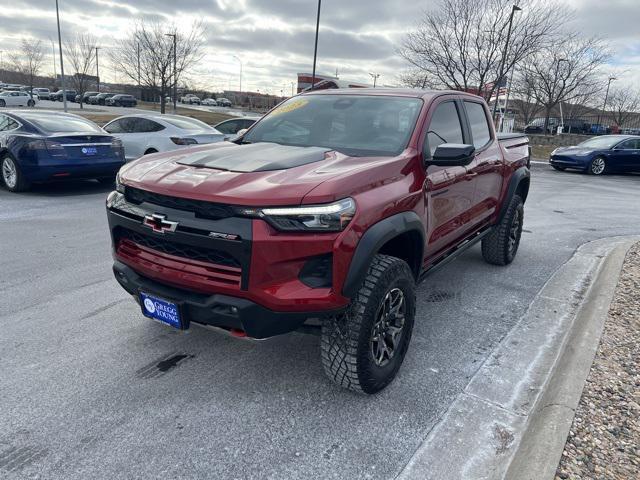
(322, 218)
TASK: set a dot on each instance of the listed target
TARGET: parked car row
(40, 146)
(96, 98)
(577, 126)
(191, 99)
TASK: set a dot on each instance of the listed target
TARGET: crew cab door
(486, 170)
(448, 194)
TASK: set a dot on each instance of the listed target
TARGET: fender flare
(371, 242)
(520, 175)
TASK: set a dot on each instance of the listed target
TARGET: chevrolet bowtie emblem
(159, 223)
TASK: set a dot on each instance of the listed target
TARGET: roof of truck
(396, 92)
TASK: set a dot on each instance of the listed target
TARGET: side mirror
(452, 155)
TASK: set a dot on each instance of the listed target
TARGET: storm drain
(161, 366)
(16, 458)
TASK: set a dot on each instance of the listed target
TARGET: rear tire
(12, 176)
(501, 245)
(3, 103)
(597, 166)
(363, 348)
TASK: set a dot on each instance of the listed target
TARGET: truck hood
(250, 175)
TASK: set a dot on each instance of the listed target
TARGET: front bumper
(570, 162)
(275, 277)
(217, 310)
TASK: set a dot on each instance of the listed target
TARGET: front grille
(180, 250)
(177, 271)
(202, 209)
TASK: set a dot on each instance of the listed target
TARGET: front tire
(363, 348)
(597, 166)
(501, 245)
(12, 176)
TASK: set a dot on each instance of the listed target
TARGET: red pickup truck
(322, 217)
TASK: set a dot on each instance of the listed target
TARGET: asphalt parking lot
(89, 388)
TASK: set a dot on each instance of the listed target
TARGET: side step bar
(453, 254)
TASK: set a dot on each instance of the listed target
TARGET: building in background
(324, 82)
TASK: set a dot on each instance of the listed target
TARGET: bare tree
(624, 104)
(527, 105)
(28, 60)
(565, 71)
(459, 44)
(81, 54)
(146, 55)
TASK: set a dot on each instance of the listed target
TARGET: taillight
(183, 141)
(116, 146)
(55, 149)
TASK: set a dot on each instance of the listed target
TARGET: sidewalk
(604, 440)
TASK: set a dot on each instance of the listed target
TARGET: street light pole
(606, 97)
(97, 69)
(514, 9)
(375, 77)
(315, 49)
(64, 90)
(506, 100)
(560, 60)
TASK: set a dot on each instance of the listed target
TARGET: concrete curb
(543, 441)
(512, 419)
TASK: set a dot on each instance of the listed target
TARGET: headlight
(333, 217)
(583, 153)
(119, 185)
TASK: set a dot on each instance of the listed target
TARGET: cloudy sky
(274, 38)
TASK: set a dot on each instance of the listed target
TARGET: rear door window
(445, 126)
(478, 123)
(144, 125)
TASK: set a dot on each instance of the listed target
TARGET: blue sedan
(41, 146)
(605, 154)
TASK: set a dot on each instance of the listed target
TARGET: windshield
(186, 123)
(355, 125)
(61, 124)
(600, 142)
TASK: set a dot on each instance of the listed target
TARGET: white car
(152, 133)
(17, 99)
(210, 102)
